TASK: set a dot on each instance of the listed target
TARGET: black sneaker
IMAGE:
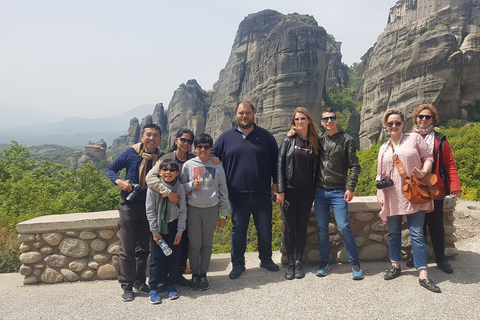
(290, 274)
(392, 273)
(141, 288)
(195, 283)
(429, 285)
(204, 283)
(181, 281)
(127, 295)
(237, 270)
(445, 266)
(299, 273)
(269, 265)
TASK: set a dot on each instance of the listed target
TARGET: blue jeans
(323, 200)
(242, 205)
(415, 226)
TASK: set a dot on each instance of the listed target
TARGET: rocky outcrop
(278, 63)
(126, 140)
(429, 52)
(187, 109)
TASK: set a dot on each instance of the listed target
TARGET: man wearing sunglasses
(249, 156)
(337, 156)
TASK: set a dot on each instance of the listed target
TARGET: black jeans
(296, 220)
(434, 222)
(134, 238)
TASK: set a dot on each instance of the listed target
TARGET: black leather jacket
(285, 163)
(338, 153)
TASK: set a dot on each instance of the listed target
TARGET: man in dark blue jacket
(133, 227)
(249, 156)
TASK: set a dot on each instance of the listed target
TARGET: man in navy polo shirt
(249, 156)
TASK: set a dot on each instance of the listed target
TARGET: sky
(96, 58)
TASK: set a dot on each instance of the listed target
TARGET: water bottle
(166, 249)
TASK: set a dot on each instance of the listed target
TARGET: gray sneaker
(142, 289)
(127, 295)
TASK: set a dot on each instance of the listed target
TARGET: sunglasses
(300, 119)
(421, 116)
(204, 147)
(332, 118)
(396, 124)
(187, 141)
(168, 170)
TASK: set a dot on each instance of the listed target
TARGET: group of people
(173, 203)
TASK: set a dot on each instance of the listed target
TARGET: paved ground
(260, 294)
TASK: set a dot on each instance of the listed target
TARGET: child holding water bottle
(206, 200)
(167, 222)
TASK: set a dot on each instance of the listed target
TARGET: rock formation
(278, 63)
(126, 140)
(187, 109)
(429, 52)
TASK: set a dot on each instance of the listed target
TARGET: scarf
(145, 158)
(163, 212)
(429, 135)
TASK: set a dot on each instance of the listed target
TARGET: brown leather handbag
(418, 191)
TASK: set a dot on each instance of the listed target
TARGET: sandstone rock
(450, 239)
(313, 256)
(93, 265)
(77, 265)
(376, 237)
(24, 247)
(26, 237)
(30, 280)
(360, 241)
(115, 262)
(342, 255)
(37, 272)
(39, 265)
(51, 276)
(56, 260)
(71, 233)
(30, 257)
(451, 252)
(406, 242)
(74, 248)
(52, 239)
(87, 235)
(379, 226)
(126, 140)
(113, 248)
(69, 275)
(336, 240)
(101, 257)
(332, 228)
(37, 245)
(449, 218)
(38, 237)
(87, 274)
(372, 252)
(98, 245)
(311, 229)
(364, 216)
(25, 270)
(107, 271)
(106, 234)
(366, 228)
(46, 250)
(449, 229)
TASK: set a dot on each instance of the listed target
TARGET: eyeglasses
(332, 118)
(421, 116)
(187, 141)
(396, 124)
(205, 147)
(300, 119)
(168, 170)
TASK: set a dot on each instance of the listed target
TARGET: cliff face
(429, 52)
(278, 63)
(187, 109)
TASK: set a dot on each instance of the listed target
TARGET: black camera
(385, 182)
(137, 192)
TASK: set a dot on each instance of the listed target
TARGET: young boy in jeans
(167, 221)
(208, 196)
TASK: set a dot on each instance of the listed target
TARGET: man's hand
(348, 196)
(273, 188)
(215, 160)
(280, 198)
(221, 223)
(173, 197)
(124, 185)
(157, 238)
(177, 240)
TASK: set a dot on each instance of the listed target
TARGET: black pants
(434, 222)
(296, 220)
(134, 238)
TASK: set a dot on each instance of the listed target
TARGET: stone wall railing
(84, 246)
(370, 234)
(69, 247)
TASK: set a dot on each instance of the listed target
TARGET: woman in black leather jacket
(297, 162)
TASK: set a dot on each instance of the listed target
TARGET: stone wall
(370, 234)
(69, 247)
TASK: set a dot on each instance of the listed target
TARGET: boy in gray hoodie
(167, 222)
(207, 197)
